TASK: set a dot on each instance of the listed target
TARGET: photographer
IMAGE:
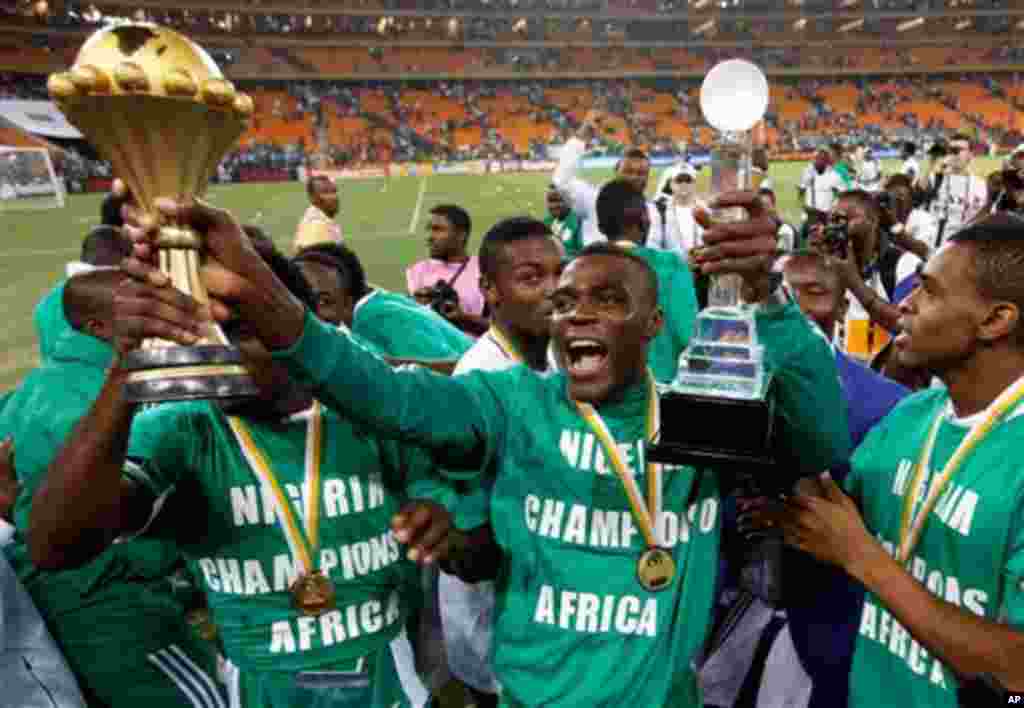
(1006, 188)
(875, 275)
(956, 196)
(449, 281)
(910, 228)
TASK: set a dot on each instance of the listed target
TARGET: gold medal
(655, 569)
(313, 594)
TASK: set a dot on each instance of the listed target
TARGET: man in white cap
(676, 202)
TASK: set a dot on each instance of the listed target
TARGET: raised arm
(84, 502)
(807, 388)
(459, 420)
(582, 194)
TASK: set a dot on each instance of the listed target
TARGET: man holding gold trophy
(607, 582)
(282, 507)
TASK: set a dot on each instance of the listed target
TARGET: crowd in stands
(450, 120)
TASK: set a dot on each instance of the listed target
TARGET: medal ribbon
(911, 525)
(505, 344)
(303, 538)
(647, 513)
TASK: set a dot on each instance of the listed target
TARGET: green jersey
(970, 553)
(49, 321)
(229, 529)
(569, 231)
(573, 625)
(123, 596)
(404, 329)
(678, 301)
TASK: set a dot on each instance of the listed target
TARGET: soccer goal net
(28, 180)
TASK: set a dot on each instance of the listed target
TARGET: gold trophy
(157, 107)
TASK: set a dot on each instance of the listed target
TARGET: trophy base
(174, 373)
(735, 437)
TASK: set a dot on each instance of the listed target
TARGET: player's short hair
(312, 184)
(962, 138)
(997, 248)
(457, 217)
(604, 248)
(899, 180)
(343, 261)
(506, 231)
(88, 295)
(613, 200)
(635, 153)
(105, 246)
(866, 201)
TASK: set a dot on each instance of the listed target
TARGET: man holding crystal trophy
(609, 557)
(282, 507)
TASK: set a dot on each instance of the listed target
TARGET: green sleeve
(459, 419)
(808, 393)
(683, 296)
(406, 334)
(166, 441)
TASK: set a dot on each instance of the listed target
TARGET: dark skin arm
(829, 527)
(84, 502)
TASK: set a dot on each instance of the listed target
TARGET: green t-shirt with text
(970, 553)
(573, 625)
(237, 550)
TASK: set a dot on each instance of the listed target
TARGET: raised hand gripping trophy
(156, 106)
(721, 393)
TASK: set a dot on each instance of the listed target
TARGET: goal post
(28, 180)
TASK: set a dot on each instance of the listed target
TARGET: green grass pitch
(379, 219)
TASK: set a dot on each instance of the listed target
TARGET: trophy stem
(165, 371)
(731, 171)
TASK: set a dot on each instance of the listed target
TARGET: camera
(836, 234)
(443, 299)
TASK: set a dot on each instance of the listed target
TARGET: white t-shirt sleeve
(582, 195)
(907, 266)
(922, 226)
(484, 355)
(806, 179)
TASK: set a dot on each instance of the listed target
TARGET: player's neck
(979, 381)
(533, 348)
(454, 258)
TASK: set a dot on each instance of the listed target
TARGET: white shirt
(922, 226)
(467, 611)
(869, 177)
(582, 195)
(681, 233)
(820, 190)
(959, 199)
(911, 168)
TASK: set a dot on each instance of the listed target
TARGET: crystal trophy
(724, 359)
(719, 410)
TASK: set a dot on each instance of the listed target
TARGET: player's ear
(490, 291)
(654, 324)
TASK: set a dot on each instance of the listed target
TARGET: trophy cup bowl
(156, 106)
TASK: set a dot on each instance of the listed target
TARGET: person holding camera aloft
(449, 281)
(875, 275)
(957, 195)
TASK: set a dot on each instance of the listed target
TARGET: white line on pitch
(419, 205)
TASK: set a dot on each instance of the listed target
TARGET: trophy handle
(166, 371)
